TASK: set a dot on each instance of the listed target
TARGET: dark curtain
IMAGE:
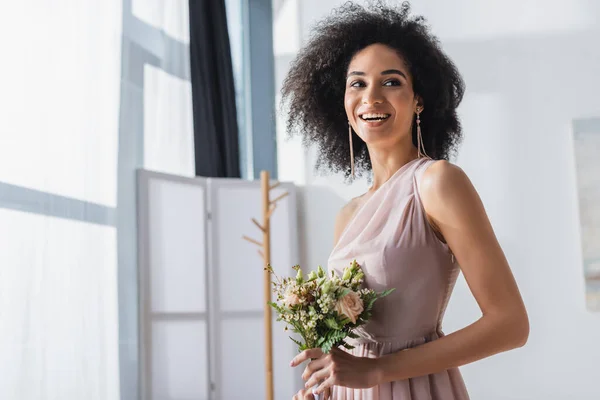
(213, 92)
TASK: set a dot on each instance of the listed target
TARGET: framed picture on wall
(586, 137)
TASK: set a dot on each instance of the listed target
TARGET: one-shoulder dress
(392, 240)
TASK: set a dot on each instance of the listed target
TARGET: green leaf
(320, 272)
(352, 335)
(297, 342)
(321, 341)
(331, 323)
(326, 347)
(347, 274)
(347, 346)
(370, 304)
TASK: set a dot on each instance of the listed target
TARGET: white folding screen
(173, 288)
(239, 352)
(201, 293)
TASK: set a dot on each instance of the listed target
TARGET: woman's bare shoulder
(448, 194)
(442, 179)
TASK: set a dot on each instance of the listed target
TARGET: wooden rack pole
(264, 177)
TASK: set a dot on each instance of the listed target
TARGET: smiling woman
(337, 66)
(379, 101)
(378, 74)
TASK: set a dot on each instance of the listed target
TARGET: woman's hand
(337, 368)
(306, 394)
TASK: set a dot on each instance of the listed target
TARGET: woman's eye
(393, 82)
(357, 84)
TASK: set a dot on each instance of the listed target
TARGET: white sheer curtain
(89, 92)
(59, 120)
(58, 308)
(168, 123)
(168, 119)
(59, 74)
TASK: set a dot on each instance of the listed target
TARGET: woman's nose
(372, 95)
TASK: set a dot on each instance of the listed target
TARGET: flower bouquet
(324, 309)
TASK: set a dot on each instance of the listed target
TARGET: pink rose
(291, 299)
(350, 305)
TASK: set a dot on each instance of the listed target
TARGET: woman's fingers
(317, 377)
(325, 385)
(301, 395)
(314, 372)
(314, 366)
(306, 355)
(304, 395)
(307, 394)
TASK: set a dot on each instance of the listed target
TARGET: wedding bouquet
(324, 309)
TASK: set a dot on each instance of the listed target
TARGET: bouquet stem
(316, 396)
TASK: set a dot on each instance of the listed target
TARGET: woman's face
(379, 99)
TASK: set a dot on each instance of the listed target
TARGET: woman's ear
(418, 103)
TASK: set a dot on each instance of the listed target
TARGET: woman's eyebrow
(386, 72)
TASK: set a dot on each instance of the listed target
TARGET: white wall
(531, 68)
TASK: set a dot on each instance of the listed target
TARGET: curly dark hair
(314, 87)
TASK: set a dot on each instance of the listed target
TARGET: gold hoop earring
(351, 150)
(420, 145)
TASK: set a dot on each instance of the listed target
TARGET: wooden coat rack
(268, 206)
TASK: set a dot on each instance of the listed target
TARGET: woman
(373, 90)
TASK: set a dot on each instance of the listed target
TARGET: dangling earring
(420, 145)
(351, 150)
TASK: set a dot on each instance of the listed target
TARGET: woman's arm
(456, 211)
